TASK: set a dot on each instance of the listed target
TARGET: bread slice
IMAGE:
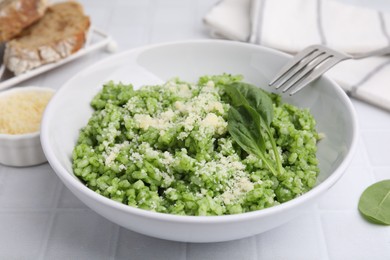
(58, 34)
(15, 15)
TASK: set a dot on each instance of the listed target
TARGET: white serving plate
(7, 79)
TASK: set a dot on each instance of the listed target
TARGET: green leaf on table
(374, 203)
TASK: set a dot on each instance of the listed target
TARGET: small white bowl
(22, 149)
(70, 109)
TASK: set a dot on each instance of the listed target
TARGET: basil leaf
(259, 106)
(236, 96)
(374, 203)
(242, 93)
(244, 127)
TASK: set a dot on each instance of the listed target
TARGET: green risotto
(168, 148)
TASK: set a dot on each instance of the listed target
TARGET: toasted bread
(15, 15)
(58, 34)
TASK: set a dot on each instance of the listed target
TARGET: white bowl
(69, 111)
(22, 149)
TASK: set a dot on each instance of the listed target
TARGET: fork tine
(295, 61)
(298, 68)
(316, 73)
(299, 76)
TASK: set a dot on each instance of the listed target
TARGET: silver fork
(311, 63)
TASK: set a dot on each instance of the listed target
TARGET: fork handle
(378, 52)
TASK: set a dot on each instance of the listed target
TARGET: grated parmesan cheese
(167, 149)
(21, 112)
(238, 189)
(215, 122)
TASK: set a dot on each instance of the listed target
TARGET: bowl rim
(73, 182)
(23, 89)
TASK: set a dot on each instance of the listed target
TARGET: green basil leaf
(374, 203)
(251, 102)
(254, 96)
(244, 127)
(234, 93)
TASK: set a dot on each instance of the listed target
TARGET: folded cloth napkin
(292, 25)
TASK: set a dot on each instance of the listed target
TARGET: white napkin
(292, 25)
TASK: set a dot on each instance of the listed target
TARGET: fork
(311, 63)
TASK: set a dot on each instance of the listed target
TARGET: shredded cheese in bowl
(21, 111)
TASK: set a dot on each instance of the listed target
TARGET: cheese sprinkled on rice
(167, 148)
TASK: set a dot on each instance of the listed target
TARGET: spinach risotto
(217, 147)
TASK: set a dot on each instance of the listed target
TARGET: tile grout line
(35, 210)
(114, 241)
(194, 21)
(381, 167)
(151, 24)
(254, 244)
(323, 245)
(109, 19)
(53, 214)
(186, 250)
(366, 156)
(374, 130)
(2, 174)
(257, 238)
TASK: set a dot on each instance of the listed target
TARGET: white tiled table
(41, 219)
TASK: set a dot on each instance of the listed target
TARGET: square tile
(129, 35)
(79, 234)
(360, 158)
(64, 72)
(382, 173)
(32, 187)
(35, 81)
(170, 33)
(165, 3)
(377, 144)
(99, 17)
(22, 234)
(371, 117)
(207, 3)
(120, 4)
(129, 14)
(346, 192)
(177, 16)
(298, 239)
(3, 171)
(237, 249)
(99, 12)
(137, 246)
(349, 236)
(68, 200)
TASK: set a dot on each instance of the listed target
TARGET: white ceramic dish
(22, 149)
(69, 111)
